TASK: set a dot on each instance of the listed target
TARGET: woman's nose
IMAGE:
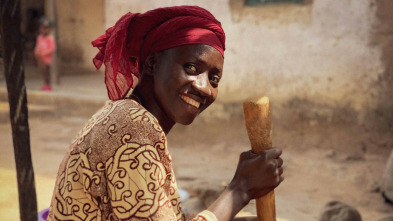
(202, 85)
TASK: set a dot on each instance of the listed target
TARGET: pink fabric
(44, 49)
(124, 47)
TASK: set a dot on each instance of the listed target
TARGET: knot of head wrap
(125, 46)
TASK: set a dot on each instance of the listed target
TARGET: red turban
(125, 46)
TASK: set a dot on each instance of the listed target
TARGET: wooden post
(258, 124)
(11, 39)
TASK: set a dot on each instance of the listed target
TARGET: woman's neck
(149, 102)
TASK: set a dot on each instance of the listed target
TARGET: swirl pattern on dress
(119, 168)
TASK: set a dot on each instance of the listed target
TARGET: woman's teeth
(190, 101)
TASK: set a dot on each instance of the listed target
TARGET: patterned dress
(118, 168)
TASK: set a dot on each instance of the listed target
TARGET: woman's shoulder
(131, 108)
(119, 108)
(129, 113)
(123, 104)
(119, 120)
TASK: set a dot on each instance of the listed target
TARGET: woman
(119, 167)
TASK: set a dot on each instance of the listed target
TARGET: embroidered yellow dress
(118, 168)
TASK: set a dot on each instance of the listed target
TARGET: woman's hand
(258, 174)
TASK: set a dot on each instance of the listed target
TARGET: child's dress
(44, 49)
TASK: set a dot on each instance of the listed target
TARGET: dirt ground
(323, 163)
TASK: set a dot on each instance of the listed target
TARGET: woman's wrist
(239, 192)
(230, 202)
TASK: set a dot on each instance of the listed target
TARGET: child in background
(44, 50)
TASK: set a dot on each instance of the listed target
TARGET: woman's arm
(256, 175)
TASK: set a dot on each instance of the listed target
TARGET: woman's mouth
(190, 101)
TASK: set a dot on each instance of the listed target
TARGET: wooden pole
(258, 124)
(11, 39)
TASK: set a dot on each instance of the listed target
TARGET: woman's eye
(191, 68)
(215, 79)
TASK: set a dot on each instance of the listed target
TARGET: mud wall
(314, 60)
(78, 23)
(381, 111)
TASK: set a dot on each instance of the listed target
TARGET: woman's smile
(190, 101)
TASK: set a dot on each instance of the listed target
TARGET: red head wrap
(125, 46)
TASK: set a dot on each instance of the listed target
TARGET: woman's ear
(150, 64)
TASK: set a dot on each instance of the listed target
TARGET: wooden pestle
(258, 124)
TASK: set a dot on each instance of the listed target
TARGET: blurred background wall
(79, 22)
(323, 60)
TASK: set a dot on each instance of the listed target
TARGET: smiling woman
(119, 167)
(184, 80)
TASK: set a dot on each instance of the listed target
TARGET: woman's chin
(186, 120)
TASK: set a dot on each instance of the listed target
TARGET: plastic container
(43, 214)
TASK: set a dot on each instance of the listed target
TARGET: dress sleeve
(205, 215)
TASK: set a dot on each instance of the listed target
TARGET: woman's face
(186, 80)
